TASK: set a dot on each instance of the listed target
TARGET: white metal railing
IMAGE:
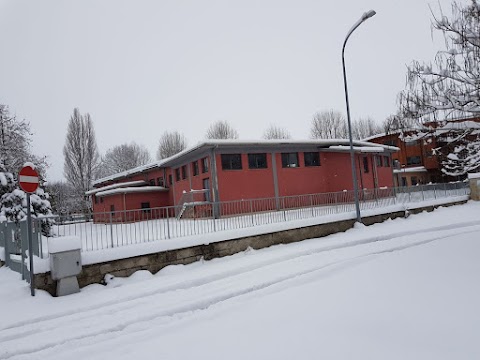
(113, 229)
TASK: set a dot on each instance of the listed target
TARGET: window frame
(205, 165)
(231, 161)
(286, 160)
(253, 162)
(160, 181)
(177, 174)
(145, 207)
(366, 168)
(184, 172)
(411, 162)
(195, 169)
(310, 162)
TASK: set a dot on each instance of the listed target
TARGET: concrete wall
(95, 273)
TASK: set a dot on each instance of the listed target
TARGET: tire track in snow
(226, 292)
(131, 301)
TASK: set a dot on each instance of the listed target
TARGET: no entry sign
(28, 179)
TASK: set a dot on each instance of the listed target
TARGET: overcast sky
(141, 67)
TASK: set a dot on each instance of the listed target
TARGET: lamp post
(364, 17)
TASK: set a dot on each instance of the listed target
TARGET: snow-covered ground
(403, 289)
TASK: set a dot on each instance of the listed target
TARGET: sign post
(28, 181)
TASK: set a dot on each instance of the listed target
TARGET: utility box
(474, 180)
(65, 263)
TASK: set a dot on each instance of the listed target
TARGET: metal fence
(113, 229)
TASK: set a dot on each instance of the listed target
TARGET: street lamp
(364, 17)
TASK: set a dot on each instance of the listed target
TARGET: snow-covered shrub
(13, 202)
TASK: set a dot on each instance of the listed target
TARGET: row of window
(259, 161)
(181, 172)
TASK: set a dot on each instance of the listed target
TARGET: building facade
(423, 149)
(222, 171)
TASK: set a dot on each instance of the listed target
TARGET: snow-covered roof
(323, 143)
(114, 186)
(415, 169)
(365, 149)
(129, 190)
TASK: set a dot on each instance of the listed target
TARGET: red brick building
(422, 149)
(231, 170)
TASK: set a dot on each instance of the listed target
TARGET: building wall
(246, 183)
(333, 175)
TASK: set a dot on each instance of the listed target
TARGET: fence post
(311, 204)
(284, 214)
(168, 223)
(111, 229)
(251, 211)
(423, 193)
(434, 191)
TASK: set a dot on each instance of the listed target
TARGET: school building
(222, 171)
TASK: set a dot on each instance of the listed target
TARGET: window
(231, 162)
(151, 182)
(206, 186)
(411, 142)
(390, 143)
(195, 168)
(311, 158)
(290, 160)
(386, 161)
(205, 165)
(160, 181)
(170, 179)
(184, 172)
(378, 161)
(414, 180)
(145, 206)
(112, 208)
(413, 160)
(404, 181)
(365, 165)
(177, 174)
(96, 199)
(101, 200)
(257, 161)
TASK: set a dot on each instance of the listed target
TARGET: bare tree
(221, 130)
(275, 132)
(329, 124)
(81, 153)
(451, 86)
(15, 138)
(124, 157)
(365, 127)
(398, 123)
(63, 198)
(171, 143)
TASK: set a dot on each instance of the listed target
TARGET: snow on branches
(450, 86)
(13, 202)
(464, 158)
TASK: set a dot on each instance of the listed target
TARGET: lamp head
(368, 15)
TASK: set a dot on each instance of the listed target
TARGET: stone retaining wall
(95, 273)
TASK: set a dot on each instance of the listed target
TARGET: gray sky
(141, 67)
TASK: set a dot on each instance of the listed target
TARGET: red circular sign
(28, 179)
